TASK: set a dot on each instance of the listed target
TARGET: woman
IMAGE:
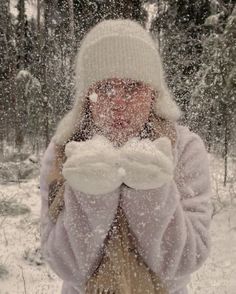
(125, 188)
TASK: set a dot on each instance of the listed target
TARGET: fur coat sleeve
(171, 223)
(71, 245)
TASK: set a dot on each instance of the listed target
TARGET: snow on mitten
(92, 166)
(148, 165)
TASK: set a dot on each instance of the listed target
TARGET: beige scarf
(122, 270)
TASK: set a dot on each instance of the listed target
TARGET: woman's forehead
(119, 82)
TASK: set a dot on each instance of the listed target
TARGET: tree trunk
(20, 99)
(226, 144)
(209, 130)
(38, 16)
(45, 58)
(21, 27)
(72, 31)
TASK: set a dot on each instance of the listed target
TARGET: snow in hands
(97, 167)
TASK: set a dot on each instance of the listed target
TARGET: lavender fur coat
(171, 223)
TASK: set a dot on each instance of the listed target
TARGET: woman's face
(120, 107)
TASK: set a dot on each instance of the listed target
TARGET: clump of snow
(31, 83)
(19, 167)
(231, 20)
(33, 158)
(22, 74)
(212, 20)
(93, 97)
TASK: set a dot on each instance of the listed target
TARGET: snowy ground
(23, 271)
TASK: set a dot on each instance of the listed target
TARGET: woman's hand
(92, 166)
(147, 164)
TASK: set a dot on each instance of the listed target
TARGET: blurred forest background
(38, 43)
(197, 43)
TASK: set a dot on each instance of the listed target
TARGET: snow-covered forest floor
(22, 269)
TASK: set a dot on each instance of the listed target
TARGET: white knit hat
(117, 49)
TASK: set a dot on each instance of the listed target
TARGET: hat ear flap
(165, 106)
(70, 122)
(65, 128)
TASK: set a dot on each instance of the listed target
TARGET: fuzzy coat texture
(170, 223)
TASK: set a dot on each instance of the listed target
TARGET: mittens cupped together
(97, 167)
(92, 167)
(148, 164)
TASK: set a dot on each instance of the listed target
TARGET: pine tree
(179, 27)
(7, 70)
(23, 60)
(213, 103)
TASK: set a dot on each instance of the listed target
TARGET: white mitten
(92, 166)
(148, 165)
